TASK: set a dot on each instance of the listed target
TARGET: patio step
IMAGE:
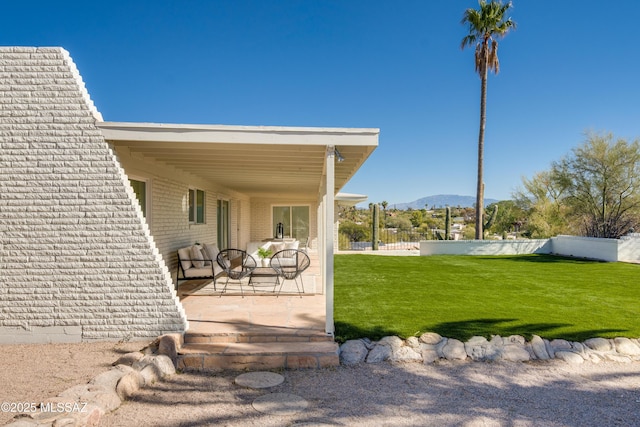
(265, 336)
(258, 355)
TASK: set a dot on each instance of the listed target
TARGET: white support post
(329, 215)
(320, 233)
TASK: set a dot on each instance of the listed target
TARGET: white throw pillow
(196, 256)
(211, 252)
(185, 258)
(292, 245)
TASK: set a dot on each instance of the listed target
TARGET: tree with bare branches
(601, 179)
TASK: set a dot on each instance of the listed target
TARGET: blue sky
(571, 66)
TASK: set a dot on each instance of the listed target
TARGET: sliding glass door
(295, 220)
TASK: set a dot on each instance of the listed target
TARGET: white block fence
(625, 249)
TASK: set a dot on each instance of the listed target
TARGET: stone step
(258, 355)
(257, 337)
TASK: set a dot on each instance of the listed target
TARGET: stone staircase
(257, 351)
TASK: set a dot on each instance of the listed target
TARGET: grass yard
(463, 296)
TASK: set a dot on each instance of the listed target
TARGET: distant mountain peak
(441, 201)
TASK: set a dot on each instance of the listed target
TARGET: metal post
(375, 224)
(329, 201)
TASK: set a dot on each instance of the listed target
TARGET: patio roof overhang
(349, 199)
(259, 161)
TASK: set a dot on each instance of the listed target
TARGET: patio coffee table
(260, 273)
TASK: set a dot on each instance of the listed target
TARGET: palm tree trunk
(480, 186)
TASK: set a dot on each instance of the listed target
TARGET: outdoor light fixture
(338, 155)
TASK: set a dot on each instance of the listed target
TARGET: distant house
(92, 212)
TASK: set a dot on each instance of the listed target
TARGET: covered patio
(253, 168)
(259, 329)
(260, 311)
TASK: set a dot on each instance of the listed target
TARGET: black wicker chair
(237, 264)
(289, 264)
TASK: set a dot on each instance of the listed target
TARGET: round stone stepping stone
(280, 404)
(259, 379)
(313, 424)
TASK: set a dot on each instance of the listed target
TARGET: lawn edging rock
(84, 405)
(431, 347)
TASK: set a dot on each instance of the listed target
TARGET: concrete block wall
(586, 247)
(169, 221)
(261, 220)
(629, 248)
(170, 216)
(77, 262)
(244, 223)
(170, 225)
(611, 250)
(485, 247)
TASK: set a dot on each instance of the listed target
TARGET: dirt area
(551, 393)
(33, 372)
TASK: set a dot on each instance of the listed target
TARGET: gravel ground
(444, 394)
(466, 394)
(32, 373)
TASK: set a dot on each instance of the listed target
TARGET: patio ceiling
(254, 160)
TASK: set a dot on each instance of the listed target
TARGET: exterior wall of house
(261, 223)
(244, 222)
(77, 260)
(261, 217)
(169, 221)
(234, 223)
(169, 211)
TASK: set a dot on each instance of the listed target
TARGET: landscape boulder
(353, 352)
(454, 350)
(626, 347)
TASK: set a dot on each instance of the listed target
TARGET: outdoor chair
(237, 264)
(289, 264)
(304, 244)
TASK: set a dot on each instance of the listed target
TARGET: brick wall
(169, 222)
(76, 259)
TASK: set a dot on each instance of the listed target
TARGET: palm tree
(485, 25)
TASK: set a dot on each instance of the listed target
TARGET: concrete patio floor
(254, 328)
(260, 312)
(255, 314)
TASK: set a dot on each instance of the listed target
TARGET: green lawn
(463, 296)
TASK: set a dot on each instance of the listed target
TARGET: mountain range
(441, 201)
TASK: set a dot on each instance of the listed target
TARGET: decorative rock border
(430, 347)
(84, 405)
